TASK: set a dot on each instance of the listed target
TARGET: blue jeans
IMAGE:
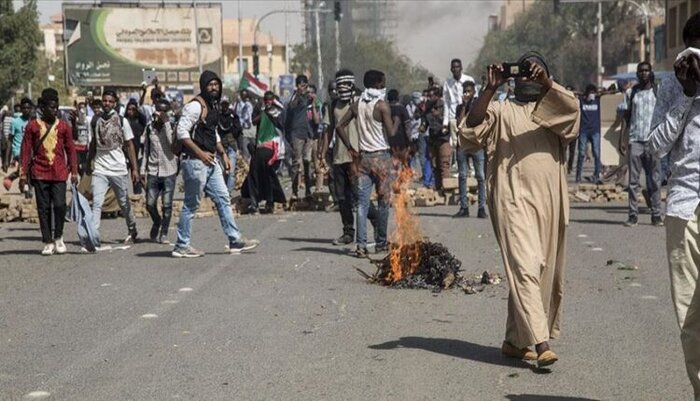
(120, 186)
(376, 169)
(199, 177)
(231, 177)
(463, 169)
(424, 157)
(155, 187)
(583, 139)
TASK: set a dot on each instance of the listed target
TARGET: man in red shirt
(48, 158)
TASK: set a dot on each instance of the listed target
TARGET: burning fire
(405, 250)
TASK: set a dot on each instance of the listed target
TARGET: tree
(45, 68)
(360, 55)
(566, 38)
(19, 37)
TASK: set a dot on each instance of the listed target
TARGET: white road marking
(649, 297)
(583, 236)
(149, 316)
(106, 285)
(185, 289)
(36, 395)
(170, 301)
(635, 285)
(596, 249)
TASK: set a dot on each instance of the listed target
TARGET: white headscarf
(371, 94)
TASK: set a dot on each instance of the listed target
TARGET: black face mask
(527, 91)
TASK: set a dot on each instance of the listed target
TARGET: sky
(429, 32)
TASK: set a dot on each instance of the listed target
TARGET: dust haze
(432, 33)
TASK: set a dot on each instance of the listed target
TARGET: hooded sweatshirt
(205, 133)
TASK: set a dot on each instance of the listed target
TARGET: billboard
(113, 44)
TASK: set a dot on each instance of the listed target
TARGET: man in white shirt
(678, 135)
(452, 97)
(107, 162)
(452, 93)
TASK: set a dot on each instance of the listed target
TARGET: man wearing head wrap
(202, 170)
(343, 177)
(525, 140)
(48, 158)
(107, 162)
(372, 157)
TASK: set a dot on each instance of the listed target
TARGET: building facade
(271, 52)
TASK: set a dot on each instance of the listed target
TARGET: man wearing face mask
(525, 140)
(590, 132)
(159, 169)
(372, 157)
(107, 162)
(203, 163)
(342, 162)
(640, 108)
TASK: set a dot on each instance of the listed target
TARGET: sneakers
(242, 245)
(361, 253)
(463, 212)
(163, 239)
(131, 238)
(60, 246)
(344, 239)
(49, 249)
(657, 221)
(381, 248)
(482, 213)
(187, 253)
(631, 222)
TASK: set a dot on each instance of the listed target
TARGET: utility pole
(240, 42)
(600, 45)
(319, 90)
(196, 35)
(286, 37)
(338, 14)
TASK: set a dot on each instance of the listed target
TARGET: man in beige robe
(526, 139)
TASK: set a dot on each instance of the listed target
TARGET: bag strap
(38, 145)
(205, 109)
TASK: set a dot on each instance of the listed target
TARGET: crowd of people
(360, 140)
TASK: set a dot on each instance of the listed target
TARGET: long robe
(529, 205)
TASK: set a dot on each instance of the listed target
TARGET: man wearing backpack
(640, 108)
(201, 168)
(107, 163)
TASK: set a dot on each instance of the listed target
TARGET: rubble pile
(597, 193)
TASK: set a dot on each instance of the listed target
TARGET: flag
(252, 85)
(266, 130)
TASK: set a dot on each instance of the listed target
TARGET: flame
(404, 251)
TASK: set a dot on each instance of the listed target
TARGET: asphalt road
(294, 320)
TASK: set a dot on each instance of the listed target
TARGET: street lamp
(257, 25)
(647, 28)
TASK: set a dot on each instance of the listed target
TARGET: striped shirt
(642, 108)
(158, 158)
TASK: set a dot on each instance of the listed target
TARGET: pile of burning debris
(415, 262)
(427, 265)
